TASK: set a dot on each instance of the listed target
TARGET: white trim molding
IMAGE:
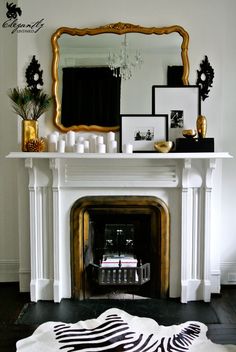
(24, 279)
(215, 281)
(9, 270)
(228, 273)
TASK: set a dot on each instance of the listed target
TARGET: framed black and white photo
(182, 104)
(142, 131)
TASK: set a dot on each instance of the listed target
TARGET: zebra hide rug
(117, 331)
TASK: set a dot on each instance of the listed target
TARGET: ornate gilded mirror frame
(115, 28)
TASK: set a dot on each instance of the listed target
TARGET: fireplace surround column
(41, 240)
(57, 236)
(196, 233)
(186, 232)
(35, 235)
(210, 166)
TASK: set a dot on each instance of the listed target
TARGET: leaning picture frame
(142, 131)
(182, 104)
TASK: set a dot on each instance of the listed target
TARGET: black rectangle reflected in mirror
(90, 94)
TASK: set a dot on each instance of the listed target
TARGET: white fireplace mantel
(117, 156)
(183, 180)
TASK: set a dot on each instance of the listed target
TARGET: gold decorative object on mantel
(190, 133)
(164, 146)
(114, 28)
(29, 105)
(29, 133)
(201, 126)
(36, 145)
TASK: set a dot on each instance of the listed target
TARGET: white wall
(8, 141)
(211, 27)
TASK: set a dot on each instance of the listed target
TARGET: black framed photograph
(182, 104)
(142, 131)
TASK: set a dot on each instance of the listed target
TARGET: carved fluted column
(210, 167)
(185, 231)
(56, 195)
(35, 234)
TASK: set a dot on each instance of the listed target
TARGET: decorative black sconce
(205, 78)
(34, 75)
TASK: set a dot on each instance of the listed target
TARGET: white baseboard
(215, 281)
(9, 270)
(24, 280)
(228, 273)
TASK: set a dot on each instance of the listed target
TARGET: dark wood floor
(12, 302)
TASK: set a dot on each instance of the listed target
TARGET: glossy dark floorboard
(165, 312)
(223, 330)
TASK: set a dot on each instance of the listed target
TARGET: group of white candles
(72, 142)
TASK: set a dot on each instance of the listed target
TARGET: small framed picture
(182, 104)
(142, 131)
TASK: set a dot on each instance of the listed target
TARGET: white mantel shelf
(47, 155)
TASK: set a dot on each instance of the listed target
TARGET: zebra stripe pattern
(115, 335)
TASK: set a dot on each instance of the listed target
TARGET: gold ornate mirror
(91, 47)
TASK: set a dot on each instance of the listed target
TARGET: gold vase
(201, 126)
(29, 131)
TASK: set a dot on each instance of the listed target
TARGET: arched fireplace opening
(119, 244)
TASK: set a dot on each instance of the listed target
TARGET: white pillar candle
(61, 146)
(53, 137)
(69, 148)
(62, 137)
(52, 142)
(92, 143)
(52, 147)
(86, 146)
(70, 138)
(70, 141)
(101, 148)
(100, 140)
(128, 148)
(79, 148)
(112, 147)
(80, 139)
(57, 134)
(110, 136)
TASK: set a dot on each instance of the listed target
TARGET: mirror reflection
(97, 77)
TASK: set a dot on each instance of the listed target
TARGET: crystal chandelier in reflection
(122, 64)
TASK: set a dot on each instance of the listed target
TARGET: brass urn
(201, 126)
(29, 132)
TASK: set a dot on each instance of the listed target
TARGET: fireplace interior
(120, 256)
(125, 245)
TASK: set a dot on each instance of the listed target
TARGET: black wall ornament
(34, 75)
(205, 78)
